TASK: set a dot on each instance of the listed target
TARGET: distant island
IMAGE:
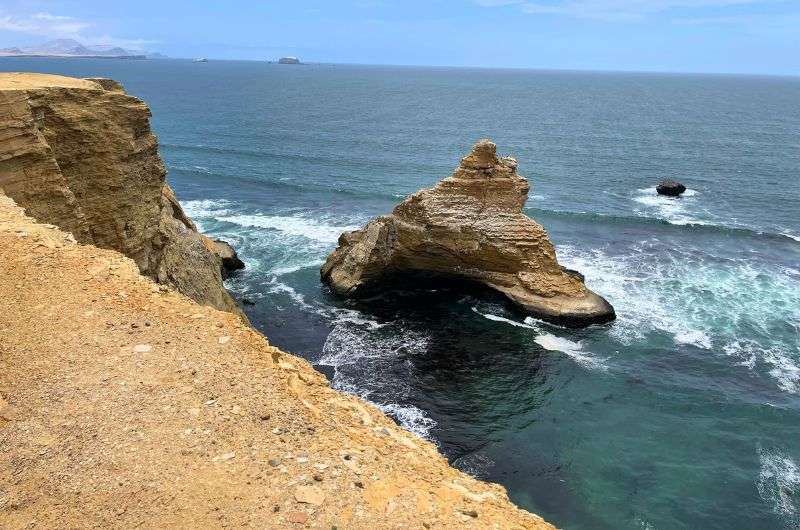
(73, 48)
(288, 60)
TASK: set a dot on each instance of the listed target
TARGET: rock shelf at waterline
(468, 227)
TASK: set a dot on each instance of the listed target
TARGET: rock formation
(150, 411)
(79, 154)
(229, 260)
(671, 188)
(470, 226)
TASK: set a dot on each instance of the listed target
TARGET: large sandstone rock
(470, 226)
(79, 153)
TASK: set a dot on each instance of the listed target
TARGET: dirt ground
(124, 404)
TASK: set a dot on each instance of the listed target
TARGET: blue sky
(750, 36)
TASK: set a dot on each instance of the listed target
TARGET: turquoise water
(684, 413)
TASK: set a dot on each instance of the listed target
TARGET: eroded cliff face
(470, 226)
(80, 154)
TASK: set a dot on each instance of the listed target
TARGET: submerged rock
(671, 188)
(469, 227)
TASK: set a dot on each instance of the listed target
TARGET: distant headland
(73, 48)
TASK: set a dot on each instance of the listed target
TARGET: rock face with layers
(79, 154)
(469, 226)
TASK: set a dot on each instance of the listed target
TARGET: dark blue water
(684, 413)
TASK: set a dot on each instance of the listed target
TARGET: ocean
(684, 413)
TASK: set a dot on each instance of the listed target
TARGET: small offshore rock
(670, 188)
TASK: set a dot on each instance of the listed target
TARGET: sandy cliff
(469, 226)
(79, 153)
(125, 404)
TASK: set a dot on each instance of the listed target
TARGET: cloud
(53, 26)
(44, 24)
(613, 10)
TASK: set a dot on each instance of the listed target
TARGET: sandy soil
(124, 404)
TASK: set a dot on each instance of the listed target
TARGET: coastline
(126, 402)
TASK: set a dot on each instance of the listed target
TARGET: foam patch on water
(497, 318)
(206, 208)
(295, 226)
(274, 286)
(693, 337)
(681, 210)
(779, 485)
(574, 350)
(475, 464)
(365, 357)
(738, 308)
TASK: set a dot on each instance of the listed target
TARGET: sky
(716, 36)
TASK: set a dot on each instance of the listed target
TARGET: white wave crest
(574, 350)
(206, 208)
(362, 354)
(699, 303)
(675, 210)
(294, 226)
(693, 337)
(497, 318)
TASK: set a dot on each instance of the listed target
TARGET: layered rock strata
(469, 226)
(80, 154)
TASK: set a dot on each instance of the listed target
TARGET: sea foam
(779, 484)
(309, 228)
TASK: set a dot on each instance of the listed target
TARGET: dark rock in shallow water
(671, 188)
(226, 253)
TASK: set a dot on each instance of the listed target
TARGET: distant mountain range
(73, 48)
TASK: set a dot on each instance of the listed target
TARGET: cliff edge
(79, 154)
(125, 404)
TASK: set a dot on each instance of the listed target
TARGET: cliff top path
(125, 404)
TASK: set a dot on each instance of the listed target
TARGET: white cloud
(46, 24)
(52, 26)
(612, 10)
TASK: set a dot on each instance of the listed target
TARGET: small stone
(296, 517)
(359, 484)
(317, 477)
(225, 457)
(309, 495)
(224, 340)
(142, 348)
(274, 462)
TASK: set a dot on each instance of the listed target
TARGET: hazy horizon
(670, 36)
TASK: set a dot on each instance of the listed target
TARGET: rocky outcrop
(470, 226)
(671, 188)
(124, 404)
(79, 154)
(229, 260)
